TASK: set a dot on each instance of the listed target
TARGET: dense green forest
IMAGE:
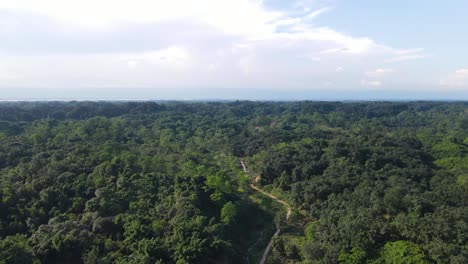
(147, 182)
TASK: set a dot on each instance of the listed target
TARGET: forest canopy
(161, 182)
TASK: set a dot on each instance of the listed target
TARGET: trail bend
(271, 196)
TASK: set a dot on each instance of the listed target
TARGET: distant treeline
(30, 111)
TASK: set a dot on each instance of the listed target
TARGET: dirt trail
(278, 230)
(288, 207)
(268, 248)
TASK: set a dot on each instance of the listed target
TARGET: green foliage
(124, 182)
(16, 250)
(356, 256)
(313, 251)
(462, 180)
(453, 162)
(401, 252)
(221, 182)
(311, 230)
(229, 213)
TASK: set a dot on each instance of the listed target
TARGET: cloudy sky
(234, 49)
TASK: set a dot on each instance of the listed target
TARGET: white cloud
(316, 13)
(374, 77)
(105, 14)
(247, 18)
(160, 67)
(462, 72)
(182, 43)
(132, 64)
(457, 79)
(171, 56)
(371, 83)
(380, 72)
(247, 64)
(383, 71)
(337, 42)
(407, 54)
(6, 74)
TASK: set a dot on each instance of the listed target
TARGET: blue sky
(233, 49)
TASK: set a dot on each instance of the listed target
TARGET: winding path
(278, 230)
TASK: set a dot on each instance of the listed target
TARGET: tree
(229, 213)
(401, 252)
(16, 250)
(356, 256)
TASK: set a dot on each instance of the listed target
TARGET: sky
(234, 49)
